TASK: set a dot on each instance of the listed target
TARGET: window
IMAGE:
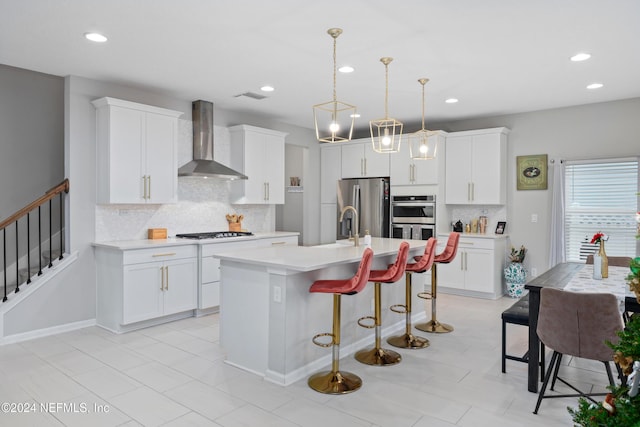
(601, 195)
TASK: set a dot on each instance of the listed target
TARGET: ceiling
(495, 56)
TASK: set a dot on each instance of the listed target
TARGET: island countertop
(310, 258)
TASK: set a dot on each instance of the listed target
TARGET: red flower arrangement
(599, 237)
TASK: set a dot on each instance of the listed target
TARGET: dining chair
(621, 261)
(577, 324)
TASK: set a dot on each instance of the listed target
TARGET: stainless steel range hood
(203, 164)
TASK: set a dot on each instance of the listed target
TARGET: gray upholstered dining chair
(577, 324)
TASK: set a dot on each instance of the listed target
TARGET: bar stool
(408, 340)
(447, 255)
(335, 381)
(379, 356)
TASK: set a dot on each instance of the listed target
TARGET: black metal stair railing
(18, 259)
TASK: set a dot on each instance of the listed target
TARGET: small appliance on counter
(458, 226)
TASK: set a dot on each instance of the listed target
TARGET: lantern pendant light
(386, 134)
(420, 148)
(334, 119)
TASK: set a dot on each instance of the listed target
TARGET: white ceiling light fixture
(386, 134)
(451, 101)
(95, 37)
(420, 148)
(582, 56)
(267, 88)
(346, 69)
(334, 119)
(595, 86)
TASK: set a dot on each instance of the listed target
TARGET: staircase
(32, 241)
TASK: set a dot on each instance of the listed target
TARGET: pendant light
(334, 119)
(386, 133)
(420, 148)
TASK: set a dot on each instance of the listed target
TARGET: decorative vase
(515, 276)
(604, 261)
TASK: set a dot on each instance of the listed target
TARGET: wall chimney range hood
(203, 164)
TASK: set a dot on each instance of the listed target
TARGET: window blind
(601, 196)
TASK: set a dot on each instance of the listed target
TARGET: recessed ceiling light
(267, 88)
(595, 86)
(355, 116)
(580, 57)
(451, 100)
(346, 69)
(95, 37)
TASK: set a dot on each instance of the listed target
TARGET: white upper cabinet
(476, 167)
(136, 152)
(359, 160)
(259, 154)
(407, 171)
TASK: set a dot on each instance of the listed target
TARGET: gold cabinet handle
(164, 254)
(166, 272)
(278, 243)
(162, 278)
(149, 186)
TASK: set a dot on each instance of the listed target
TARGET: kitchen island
(268, 316)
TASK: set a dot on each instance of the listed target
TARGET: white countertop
(173, 241)
(474, 235)
(310, 258)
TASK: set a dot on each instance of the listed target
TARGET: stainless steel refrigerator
(370, 197)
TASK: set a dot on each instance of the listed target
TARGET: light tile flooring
(174, 375)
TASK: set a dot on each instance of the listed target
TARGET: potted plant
(514, 273)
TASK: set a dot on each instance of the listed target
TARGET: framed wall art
(531, 172)
(500, 227)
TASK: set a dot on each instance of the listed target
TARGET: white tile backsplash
(467, 212)
(202, 203)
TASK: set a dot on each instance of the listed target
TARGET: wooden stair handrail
(50, 194)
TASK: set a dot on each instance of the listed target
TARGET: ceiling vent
(251, 95)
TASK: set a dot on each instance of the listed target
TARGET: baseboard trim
(40, 333)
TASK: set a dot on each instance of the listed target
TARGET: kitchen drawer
(159, 254)
(277, 241)
(478, 243)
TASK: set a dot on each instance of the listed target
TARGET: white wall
(610, 129)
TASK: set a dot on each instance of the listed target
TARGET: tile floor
(174, 375)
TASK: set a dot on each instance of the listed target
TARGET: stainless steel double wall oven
(413, 217)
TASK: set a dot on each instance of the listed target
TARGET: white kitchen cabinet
(476, 167)
(140, 285)
(259, 154)
(477, 268)
(359, 160)
(210, 266)
(406, 171)
(328, 223)
(136, 152)
(330, 173)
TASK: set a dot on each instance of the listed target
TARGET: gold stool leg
(334, 381)
(407, 340)
(378, 356)
(433, 325)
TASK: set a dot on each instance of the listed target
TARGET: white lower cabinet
(210, 266)
(144, 284)
(477, 268)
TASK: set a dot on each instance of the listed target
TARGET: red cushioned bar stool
(335, 381)
(408, 340)
(447, 255)
(377, 355)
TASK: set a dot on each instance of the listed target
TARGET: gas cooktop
(214, 234)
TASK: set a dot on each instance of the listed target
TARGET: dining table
(575, 277)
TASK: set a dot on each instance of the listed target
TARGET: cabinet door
(452, 275)
(328, 223)
(255, 190)
(487, 167)
(273, 168)
(352, 161)
(330, 174)
(458, 170)
(181, 285)
(142, 296)
(375, 164)
(401, 167)
(160, 163)
(126, 156)
(479, 270)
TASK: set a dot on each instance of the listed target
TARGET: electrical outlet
(534, 271)
(277, 294)
(534, 217)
